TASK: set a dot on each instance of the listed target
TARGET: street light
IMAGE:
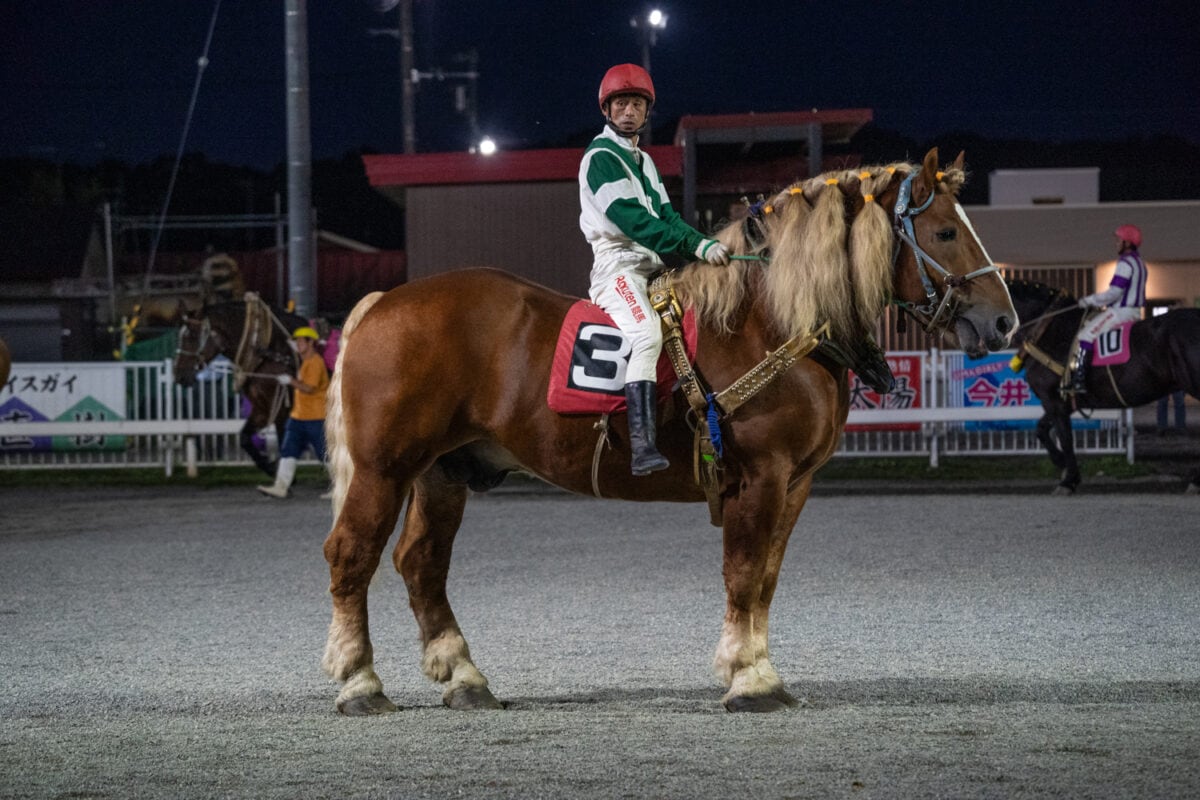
(648, 28)
(487, 147)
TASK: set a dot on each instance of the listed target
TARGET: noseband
(931, 317)
(206, 333)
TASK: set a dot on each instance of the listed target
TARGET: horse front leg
(1070, 477)
(422, 557)
(352, 549)
(757, 522)
(1045, 435)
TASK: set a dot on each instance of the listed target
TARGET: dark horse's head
(199, 343)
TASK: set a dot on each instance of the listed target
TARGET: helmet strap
(608, 121)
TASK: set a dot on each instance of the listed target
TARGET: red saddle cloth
(1112, 346)
(590, 357)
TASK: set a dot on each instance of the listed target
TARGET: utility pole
(299, 154)
(411, 77)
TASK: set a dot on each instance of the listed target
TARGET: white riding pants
(1109, 318)
(619, 287)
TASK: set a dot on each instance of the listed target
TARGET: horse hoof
(1193, 488)
(471, 698)
(1063, 491)
(779, 700)
(366, 705)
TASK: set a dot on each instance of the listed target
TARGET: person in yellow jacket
(306, 425)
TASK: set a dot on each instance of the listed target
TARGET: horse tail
(341, 466)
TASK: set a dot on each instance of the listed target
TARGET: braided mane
(830, 253)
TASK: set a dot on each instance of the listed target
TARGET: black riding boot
(1079, 374)
(640, 397)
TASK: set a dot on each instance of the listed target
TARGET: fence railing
(136, 416)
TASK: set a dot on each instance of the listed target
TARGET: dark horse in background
(256, 337)
(1164, 357)
(441, 385)
(5, 362)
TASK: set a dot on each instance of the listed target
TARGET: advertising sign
(62, 393)
(908, 371)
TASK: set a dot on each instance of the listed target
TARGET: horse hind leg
(353, 549)
(422, 557)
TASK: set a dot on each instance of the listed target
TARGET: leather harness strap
(706, 461)
(1043, 358)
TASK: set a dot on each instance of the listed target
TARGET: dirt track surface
(166, 644)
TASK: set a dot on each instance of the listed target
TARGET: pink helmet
(626, 79)
(1130, 233)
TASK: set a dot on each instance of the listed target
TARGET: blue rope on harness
(714, 425)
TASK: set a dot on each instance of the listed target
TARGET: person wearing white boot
(306, 425)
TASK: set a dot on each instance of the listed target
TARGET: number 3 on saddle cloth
(1112, 346)
(590, 357)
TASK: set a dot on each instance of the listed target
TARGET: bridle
(931, 317)
(206, 333)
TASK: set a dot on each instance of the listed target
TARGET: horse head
(942, 274)
(842, 245)
(198, 344)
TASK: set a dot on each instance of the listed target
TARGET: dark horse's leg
(422, 557)
(261, 394)
(1070, 477)
(757, 523)
(364, 523)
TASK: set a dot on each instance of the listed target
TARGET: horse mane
(1051, 296)
(830, 246)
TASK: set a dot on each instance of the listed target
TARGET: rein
(902, 225)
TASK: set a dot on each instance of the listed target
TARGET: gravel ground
(165, 643)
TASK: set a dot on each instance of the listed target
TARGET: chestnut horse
(259, 345)
(1164, 357)
(441, 385)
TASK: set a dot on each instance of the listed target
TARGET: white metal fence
(945, 407)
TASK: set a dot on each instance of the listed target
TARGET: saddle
(571, 373)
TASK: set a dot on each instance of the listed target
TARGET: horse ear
(926, 182)
(960, 161)
(929, 168)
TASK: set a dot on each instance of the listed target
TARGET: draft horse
(441, 385)
(257, 339)
(1164, 358)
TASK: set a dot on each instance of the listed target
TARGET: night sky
(87, 80)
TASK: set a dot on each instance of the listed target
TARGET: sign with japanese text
(908, 371)
(990, 382)
(62, 393)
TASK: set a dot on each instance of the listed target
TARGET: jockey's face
(628, 111)
(303, 344)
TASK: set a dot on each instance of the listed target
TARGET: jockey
(628, 220)
(1122, 301)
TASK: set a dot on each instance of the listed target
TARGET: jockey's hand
(713, 252)
(284, 379)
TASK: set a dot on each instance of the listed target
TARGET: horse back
(482, 327)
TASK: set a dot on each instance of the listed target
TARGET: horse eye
(947, 235)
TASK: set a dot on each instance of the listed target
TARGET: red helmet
(626, 79)
(1129, 233)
